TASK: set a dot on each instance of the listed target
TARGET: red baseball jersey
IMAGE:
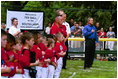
(4, 55)
(102, 36)
(58, 48)
(55, 29)
(4, 59)
(25, 58)
(50, 54)
(16, 57)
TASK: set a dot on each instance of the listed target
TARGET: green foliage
(101, 11)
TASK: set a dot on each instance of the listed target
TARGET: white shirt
(47, 30)
(81, 27)
(67, 27)
(13, 30)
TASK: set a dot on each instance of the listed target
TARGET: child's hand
(64, 53)
(37, 62)
(47, 60)
(43, 53)
(6, 70)
(11, 58)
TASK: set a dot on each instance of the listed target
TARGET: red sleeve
(38, 54)
(99, 33)
(64, 48)
(10, 53)
(25, 58)
(57, 50)
(4, 55)
(42, 47)
(37, 50)
(63, 30)
(53, 29)
(53, 59)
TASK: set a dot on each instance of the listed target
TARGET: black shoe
(64, 68)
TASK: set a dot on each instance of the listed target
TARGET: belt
(90, 39)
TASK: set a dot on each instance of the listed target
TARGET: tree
(102, 11)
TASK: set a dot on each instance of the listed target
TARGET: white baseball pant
(26, 74)
(17, 76)
(39, 71)
(44, 73)
(51, 70)
(59, 67)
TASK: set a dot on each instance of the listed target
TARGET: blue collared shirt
(87, 32)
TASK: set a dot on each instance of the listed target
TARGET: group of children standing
(31, 55)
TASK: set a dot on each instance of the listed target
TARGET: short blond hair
(59, 12)
(89, 19)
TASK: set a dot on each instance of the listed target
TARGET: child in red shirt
(60, 50)
(48, 59)
(50, 54)
(39, 53)
(28, 60)
(10, 43)
(14, 56)
(5, 70)
(42, 43)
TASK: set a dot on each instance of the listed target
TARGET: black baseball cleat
(64, 67)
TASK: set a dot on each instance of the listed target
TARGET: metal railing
(77, 46)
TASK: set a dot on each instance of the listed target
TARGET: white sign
(26, 20)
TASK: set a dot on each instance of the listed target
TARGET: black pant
(89, 52)
(65, 57)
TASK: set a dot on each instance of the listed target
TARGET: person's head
(3, 38)
(18, 44)
(76, 24)
(80, 23)
(110, 28)
(72, 20)
(59, 37)
(51, 42)
(102, 30)
(61, 14)
(3, 26)
(49, 24)
(43, 40)
(14, 21)
(97, 24)
(59, 20)
(10, 42)
(64, 17)
(27, 39)
(90, 21)
(37, 37)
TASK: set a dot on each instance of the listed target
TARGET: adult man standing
(57, 25)
(66, 39)
(90, 39)
(14, 29)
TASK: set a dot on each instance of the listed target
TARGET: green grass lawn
(100, 69)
